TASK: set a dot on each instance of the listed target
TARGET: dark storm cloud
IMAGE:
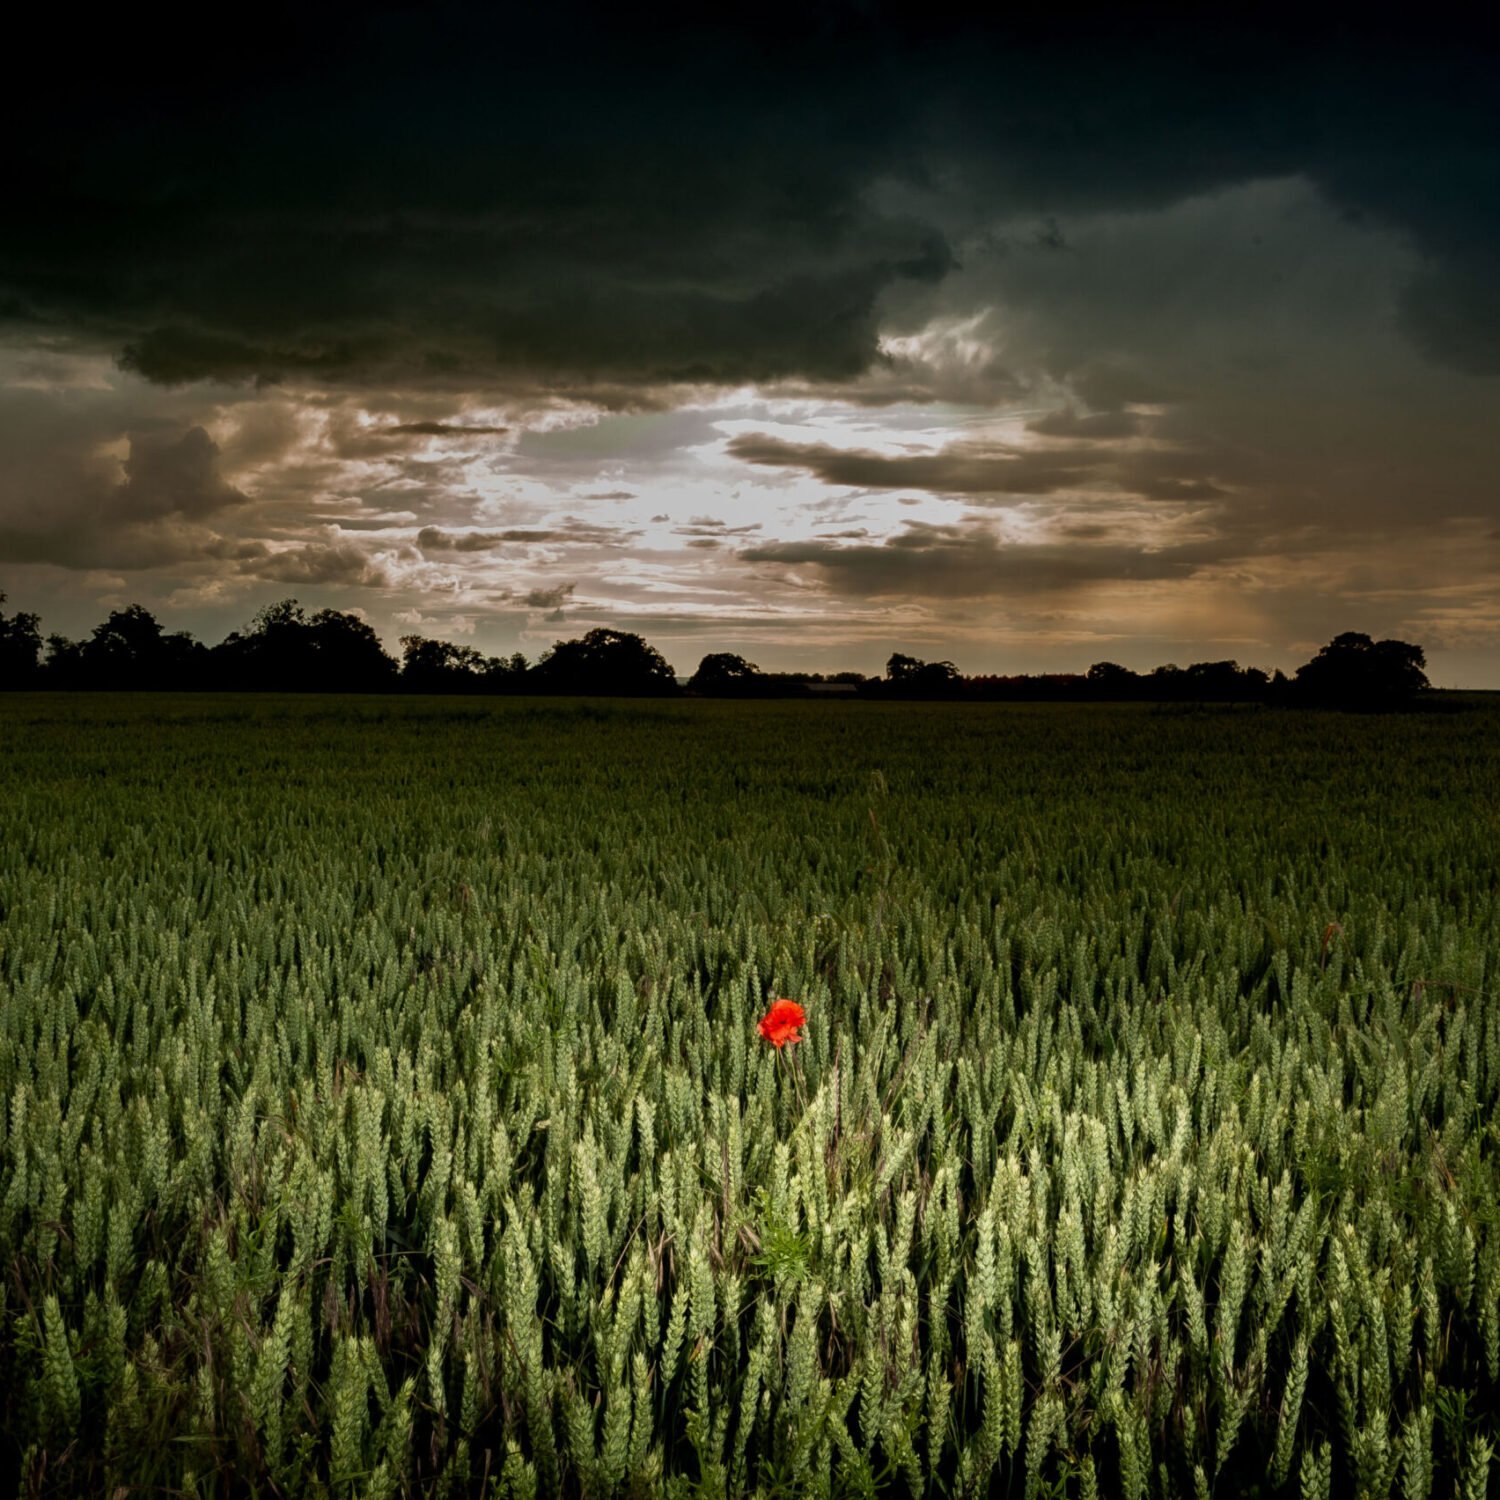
(127, 552)
(961, 469)
(465, 196)
(969, 561)
(551, 598)
(1107, 385)
(980, 470)
(440, 429)
(179, 353)
(173, 476)
(1069, 423)
(645, 207)
(1151, 488)
(69, 498)
(571, 530)
(318, 563)
(1452, 313)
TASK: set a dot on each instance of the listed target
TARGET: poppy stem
(795, 1069)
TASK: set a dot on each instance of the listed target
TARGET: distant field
(384, 1111)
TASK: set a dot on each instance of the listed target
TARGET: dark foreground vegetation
(286, 649)
(385, 1110)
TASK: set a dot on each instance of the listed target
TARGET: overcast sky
(811, 336)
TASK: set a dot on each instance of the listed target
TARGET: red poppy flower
(783, 1023)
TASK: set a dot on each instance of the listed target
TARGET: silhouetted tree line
(1351, 671)
(286, 649)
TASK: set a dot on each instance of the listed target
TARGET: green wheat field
(382, 1110)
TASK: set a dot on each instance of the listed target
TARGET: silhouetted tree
(284, 649)
(128, 652)
(131, 650)
(1224, 682)
(1168, 681)
(348, 654)
(429, 666)
(1353, 671)
(506, 674)
(911, 677)
(269, 653)
(604, 661)
(63, 667)
(20, 648)
(722, 674)
(1108, 679)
